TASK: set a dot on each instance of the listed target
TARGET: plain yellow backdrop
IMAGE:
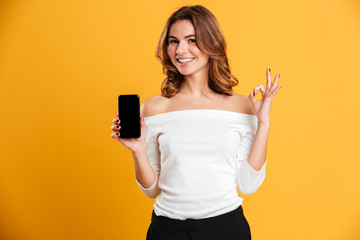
(64, 63)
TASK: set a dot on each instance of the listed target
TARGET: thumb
(252, 98)
(142, 126)
(142, 122)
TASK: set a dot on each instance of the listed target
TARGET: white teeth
(185, 60)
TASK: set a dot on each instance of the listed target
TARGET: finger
(255, 91)
(268, 77)
(117, 114)
(142, 128)
(252, 97)
(261, 88)
(115, 128)
(273, 94)
(263, 91)
(116, 121)
(276, 91)
(274, 86)
(115, 136)
(142, 122)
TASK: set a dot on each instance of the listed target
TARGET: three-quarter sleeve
(153, 154)
(248, 180)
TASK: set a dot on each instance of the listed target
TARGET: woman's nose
(181, 48)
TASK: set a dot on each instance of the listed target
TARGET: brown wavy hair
(209, 39)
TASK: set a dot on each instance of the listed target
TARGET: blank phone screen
(129, 115)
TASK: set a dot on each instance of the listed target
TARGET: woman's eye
(176, 41)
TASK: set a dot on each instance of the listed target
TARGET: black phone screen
(129, 115)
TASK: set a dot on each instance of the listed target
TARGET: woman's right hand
(133, 144)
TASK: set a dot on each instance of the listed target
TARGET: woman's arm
(147, 165)
(146, 155)
(257, 155)
(144, 173)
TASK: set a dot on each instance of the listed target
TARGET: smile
(184, 60)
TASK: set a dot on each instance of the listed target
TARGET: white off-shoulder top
(200, 157)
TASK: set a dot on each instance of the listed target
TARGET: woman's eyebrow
(191, 35)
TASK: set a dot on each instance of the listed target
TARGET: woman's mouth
(184, 60)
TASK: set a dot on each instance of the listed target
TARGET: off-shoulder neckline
(188, 111)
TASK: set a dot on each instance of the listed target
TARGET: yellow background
(63, 64)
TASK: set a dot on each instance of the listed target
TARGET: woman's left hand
(262, 106)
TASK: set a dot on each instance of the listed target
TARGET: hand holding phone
(133, 144)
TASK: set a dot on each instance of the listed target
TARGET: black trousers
(229, 226)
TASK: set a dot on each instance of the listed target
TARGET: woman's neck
(195, 85)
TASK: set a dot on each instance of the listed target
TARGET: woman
(199, 140)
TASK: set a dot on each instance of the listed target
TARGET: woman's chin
(184, 72)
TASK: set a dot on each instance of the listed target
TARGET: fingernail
(117, 126)
(117, 134)
(117, 120)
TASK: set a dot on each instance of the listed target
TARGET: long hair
(209, 39)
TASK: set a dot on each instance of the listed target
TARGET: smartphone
(129, 116)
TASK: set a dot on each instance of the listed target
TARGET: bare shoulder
(153, 105)
(242, 104)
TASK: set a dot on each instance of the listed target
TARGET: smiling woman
(194, 33)
(201, 142)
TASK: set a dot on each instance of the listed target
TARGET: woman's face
(183, 50)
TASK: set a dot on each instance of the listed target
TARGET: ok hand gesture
(262, 106)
